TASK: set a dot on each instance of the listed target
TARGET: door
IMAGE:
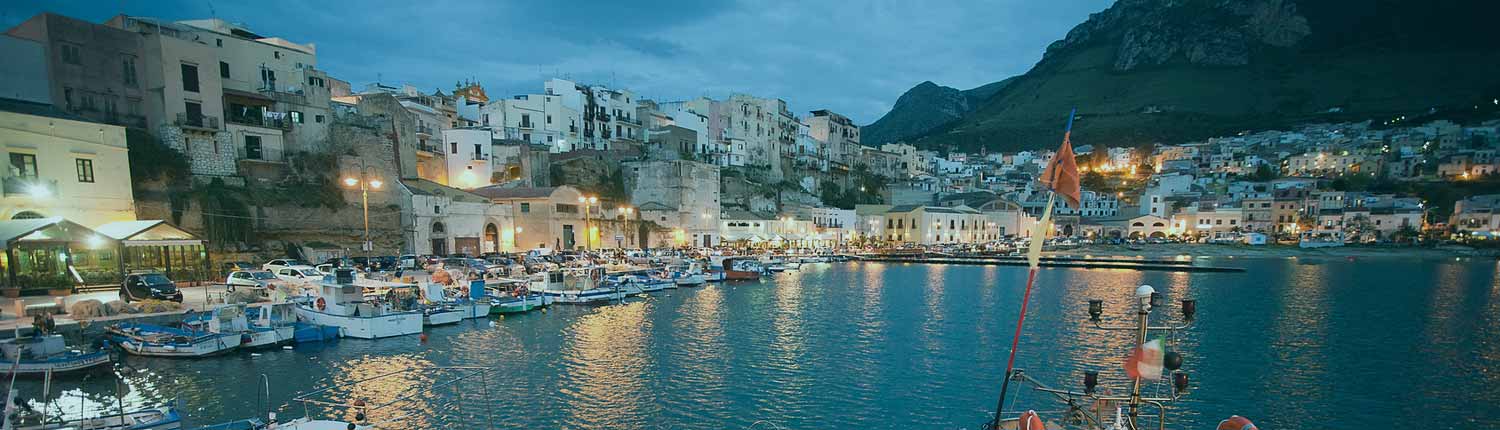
(567, 239)
(440, 246)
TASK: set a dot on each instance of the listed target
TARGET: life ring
(1030, 420)
(321, 304)
(1236, 422)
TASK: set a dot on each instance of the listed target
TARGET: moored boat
(162, 418)
(162, 341)
(36, 355)
(390, 311)
(578, 286)
(742, 269)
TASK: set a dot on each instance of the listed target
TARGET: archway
(439, 238)
(491, 238)
(1158, 235)
(1067, 230)
(27, 215)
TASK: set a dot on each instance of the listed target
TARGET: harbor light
(1179, 382)
(351, 181)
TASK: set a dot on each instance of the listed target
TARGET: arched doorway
(27, 215)
(491, 238)
(439, 238)
(1067, 230)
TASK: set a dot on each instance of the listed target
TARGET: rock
(116, 307)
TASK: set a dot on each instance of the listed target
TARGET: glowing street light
(365, 183)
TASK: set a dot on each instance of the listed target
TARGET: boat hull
(69, 363)
(260, 337)
(376, 327)
(586, 296)
(443, 317)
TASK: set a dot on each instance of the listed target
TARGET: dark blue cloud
(851, 57)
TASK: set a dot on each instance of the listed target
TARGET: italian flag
(1145, 361)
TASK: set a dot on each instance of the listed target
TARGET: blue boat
(36, 355)
(161, 341)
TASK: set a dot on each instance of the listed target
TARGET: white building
(468, 153)
(61, 165)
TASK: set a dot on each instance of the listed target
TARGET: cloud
(852, 57)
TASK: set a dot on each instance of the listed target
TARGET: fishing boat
(388, 311)
(162, 418)
(713, 275)
(688, 276)
(578, 286)
(441, 314)
(36, 355)
(162, 341)
(509, 296)
(742, 269)
(270, 324)
(637, 284)
(234, 319)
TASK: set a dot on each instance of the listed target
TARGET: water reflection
(604, 357)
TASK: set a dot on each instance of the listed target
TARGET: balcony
(32, 186)
(261, 154)
(527, 125)
(126, 120)
(198, 122)
(425, 129)
(283, 123)
(629, 120)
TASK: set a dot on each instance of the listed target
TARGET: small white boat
(435, 315)
(36, 355)
(161, 341)
(577, 286)
(390, 311)
(270, 324)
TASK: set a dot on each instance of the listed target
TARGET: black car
(149, 285)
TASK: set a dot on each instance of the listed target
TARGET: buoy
(422, 337)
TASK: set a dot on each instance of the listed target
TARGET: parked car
(235, 266)
(149, 285)
(276, 265)
(252, 279)
(299, 274)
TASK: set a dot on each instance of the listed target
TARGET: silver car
(253, 279)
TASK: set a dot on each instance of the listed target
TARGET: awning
(248, 95)
(51, 229)
(148, 233)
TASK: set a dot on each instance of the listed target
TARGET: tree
(150, 160)
(1093, 181)
(1263, 173)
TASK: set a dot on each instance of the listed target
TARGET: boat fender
(322, 304)
(422, 337)
(1236, 422)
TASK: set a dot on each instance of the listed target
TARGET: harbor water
(1291, 343)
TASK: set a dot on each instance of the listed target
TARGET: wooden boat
(578, 286)
(163, 418)
(36, 355)
(742, 269)
(162, 341)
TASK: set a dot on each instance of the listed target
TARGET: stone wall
(210, 154)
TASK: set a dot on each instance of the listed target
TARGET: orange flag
(1061, 174)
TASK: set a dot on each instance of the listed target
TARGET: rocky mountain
(1145, 71)
(923, 108)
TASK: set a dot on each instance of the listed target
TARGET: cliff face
(1173, 70)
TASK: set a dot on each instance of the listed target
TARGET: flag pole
(1038, 236)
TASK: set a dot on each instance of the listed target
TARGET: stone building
(684, 195)
(60, 164)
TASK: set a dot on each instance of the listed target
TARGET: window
(127, 66)
(190, 78)
(224, 70)
(525, 208)
(23, 165)
(71, 54)
(252, 147)
(452, 147)
(318, 119)
(276, 54)
(549, 119)
(296, 116)
(85, 170)
(68, 97)
(194, 113)
(437, 209)
(564, 208)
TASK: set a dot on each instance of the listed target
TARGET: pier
(1064, 262)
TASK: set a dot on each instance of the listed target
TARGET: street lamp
(365, 183)
(587, 203)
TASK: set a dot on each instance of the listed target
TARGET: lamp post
(365, 183)
(626, 211)
(587, 202)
